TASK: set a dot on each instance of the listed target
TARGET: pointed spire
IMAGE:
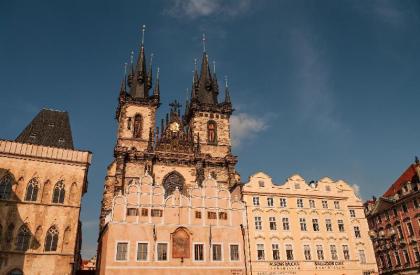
(131, 74)
(156, 90)
(149, 75)
(140, 82)
(204, 42)
(227, 94)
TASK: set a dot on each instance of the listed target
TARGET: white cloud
(245, 127)
(314, 93)
(201, 8)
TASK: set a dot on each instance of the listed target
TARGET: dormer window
(61, 140)
(32, 136)
(51, 124)
(261, 183)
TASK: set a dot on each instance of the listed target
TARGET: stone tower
(184, 150)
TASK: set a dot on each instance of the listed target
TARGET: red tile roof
(408, 175)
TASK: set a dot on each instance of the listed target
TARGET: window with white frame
(198, 252)
(357, 232)
(324, 204)
(397, 258)
(410, 229)
(307, 252)
(315, 224)
(320, 252)
(283, 202)
(302, 222)
(346, 252)
(273, 225)
(270, 202)
(311, 203)
(122, 251)
(362, 257)
(406, 256)
(299, 203)
(416, 254)
(256, 201)
(276, 251)
(285, 223)
(333, 251)
(260, 252)
(217, 252)
(289, 252)
(336, 204)
(340, 225)
(328, 224)
(142, 251)
(352, 213)
(258, 223)
(234, 252)
(162, 251)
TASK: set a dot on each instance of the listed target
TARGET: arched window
(51, 239)
(137, 126)
(59, 192)
(5, 187)
(9, 233)
(172, 181)
(211, 132)
(32, 190)
(23, 238)
(15, 272)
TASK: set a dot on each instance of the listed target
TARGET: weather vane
(131, 57)
(143, 29)
(204, 42)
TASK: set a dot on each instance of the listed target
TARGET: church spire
(149, 74)
(139, 87)
(227, 94)
(156, 89)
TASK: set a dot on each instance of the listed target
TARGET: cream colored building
(306, 228)
(42, 180)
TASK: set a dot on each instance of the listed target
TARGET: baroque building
(171, 202)
(42, 180)
(394, 222)
(301, 228)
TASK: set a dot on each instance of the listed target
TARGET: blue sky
(321, 88)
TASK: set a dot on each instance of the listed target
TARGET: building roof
(48, 128)
(409, 175)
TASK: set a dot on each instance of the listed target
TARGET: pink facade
(201, 232)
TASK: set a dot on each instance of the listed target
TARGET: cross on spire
(175, 106)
